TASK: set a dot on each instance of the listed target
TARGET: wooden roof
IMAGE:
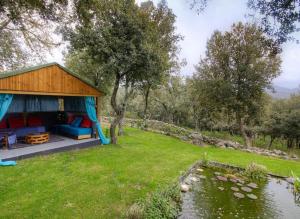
(48, 79)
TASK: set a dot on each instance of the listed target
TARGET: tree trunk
(116, 109)
(146, 105)
(271, 142)
(243, 132)
(121, 124)
(123, 108)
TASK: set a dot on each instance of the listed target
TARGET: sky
(198, 28)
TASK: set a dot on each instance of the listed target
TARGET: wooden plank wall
(51, 80)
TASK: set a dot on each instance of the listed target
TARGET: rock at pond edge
(252, 196)
(246, 189)
(239, 195)
(184, 188)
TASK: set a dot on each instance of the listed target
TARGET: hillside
(282, 92)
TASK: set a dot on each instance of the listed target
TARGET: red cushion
(70, 118)
(3, 124)
(86, 122)
(34, 121)
(16, 122)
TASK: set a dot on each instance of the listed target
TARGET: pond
(217, 193)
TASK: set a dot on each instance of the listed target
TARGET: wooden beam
(44, 93)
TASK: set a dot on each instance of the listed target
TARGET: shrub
(135, 211)
(296, 184)
(204, 159)
(256, 171)
(161, 204)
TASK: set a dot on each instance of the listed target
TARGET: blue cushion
(75, 131)
(21, 132)
(76, 122)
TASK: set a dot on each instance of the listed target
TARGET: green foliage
(160, 204)
(279, 18)
(204, 159)
(239, 65)
(128, 44)
(296, 183)
(256, 171)
(283, 121)
(26, 31)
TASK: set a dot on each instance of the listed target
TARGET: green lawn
(102, 182)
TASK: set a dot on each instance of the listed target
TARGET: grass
(103, 182)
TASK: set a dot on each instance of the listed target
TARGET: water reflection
(274, 200)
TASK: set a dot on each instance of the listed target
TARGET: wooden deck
(47, 148)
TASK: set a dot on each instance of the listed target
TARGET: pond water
(210, 197)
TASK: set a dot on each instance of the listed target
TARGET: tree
(164, 43)
(81, 63)
(118, 36)
(284, 121)
(24, 29)
(239, 65)
(278, 18)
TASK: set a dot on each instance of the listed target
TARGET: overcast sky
(219, 15)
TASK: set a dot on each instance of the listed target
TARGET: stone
(194, 179)
(184, 138)
(252, 185)
(246, 189)
(202, 177)
(232, 144)
(241, 181)
(239, 184)
(294, 156)
(221, 188)
(236, 189)
(222, 178)
(184, 188)
(196, 135)
(221, 144)
(199, 170)
(233, 180)
(217, 173)
(239, 195)
(252, 196)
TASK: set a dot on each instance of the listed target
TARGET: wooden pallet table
(37, 138)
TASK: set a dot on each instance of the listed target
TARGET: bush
(296, 184)
(256, 171)
(205, 160)
(135, 211)
(161, 204)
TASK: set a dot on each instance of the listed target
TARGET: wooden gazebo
(44, 83)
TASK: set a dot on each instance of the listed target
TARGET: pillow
(76, 122)
(34, 121)
(70, 118)
(3, 124)
(16, 122)
(86, 122)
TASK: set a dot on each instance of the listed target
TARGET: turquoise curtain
(5, 101)
(91, 111)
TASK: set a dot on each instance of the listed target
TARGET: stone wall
(197, 138)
